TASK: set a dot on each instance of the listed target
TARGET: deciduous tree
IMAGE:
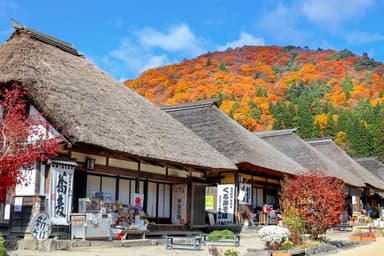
(318, 199)
(23, 138)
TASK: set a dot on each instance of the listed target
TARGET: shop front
(250, 193)
(132, 195)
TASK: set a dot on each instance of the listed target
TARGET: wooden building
(261, 166)
(327, 147)
(318, 160)
(373, 165)
(296, 148)
(115, 141)
(376, 167)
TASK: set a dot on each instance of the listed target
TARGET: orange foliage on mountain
(248, 79)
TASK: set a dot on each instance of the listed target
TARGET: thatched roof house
(231, 139)
(91, 108)
(373, 165)
(293, 146)
(327, 147)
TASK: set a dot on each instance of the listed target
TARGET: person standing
(265, 211)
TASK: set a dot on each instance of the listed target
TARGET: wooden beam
(133, 173)
(99, 151)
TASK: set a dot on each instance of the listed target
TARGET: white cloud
(281, 24)
(131, 58)
(155, 61)
(244, 39)
(149, 48)
(178, 38)
(333, 12)
(363, 37)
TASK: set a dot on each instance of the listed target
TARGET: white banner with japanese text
(61, 188)
(225, 203)
(246, 191)
(27, 182)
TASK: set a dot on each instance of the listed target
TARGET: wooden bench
(183, 242)
(228, 239)
(134, 232)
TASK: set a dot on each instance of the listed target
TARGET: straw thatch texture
(292, 145)
(89, 106)
(373, 165)
(331, 150)
(230, 138)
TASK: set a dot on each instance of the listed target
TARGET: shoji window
(164, 204)
(257, 197)
(108, 185)
(124, 191)
(159, 200)
(93, 184)
(151, 199)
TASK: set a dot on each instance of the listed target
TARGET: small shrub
(340, 55)
(3, 251)
(220, 234)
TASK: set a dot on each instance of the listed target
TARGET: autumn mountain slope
(323, 92)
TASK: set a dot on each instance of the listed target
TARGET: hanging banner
(225, 203)
(138, 201)
(246, 194)
(26, 186)
(179, 207)
(61, 187)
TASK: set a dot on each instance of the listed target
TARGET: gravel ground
(248, 240)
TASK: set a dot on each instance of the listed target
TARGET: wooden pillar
(137, 183)
(189, 198)
(236, 203)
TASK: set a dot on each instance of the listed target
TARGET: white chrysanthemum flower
(273, 234)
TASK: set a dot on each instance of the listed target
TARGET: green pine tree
(209, 62)
(304, 118)
(347, 86)
(222, 66)
(330, 128)
(379, 136)
(255, 111)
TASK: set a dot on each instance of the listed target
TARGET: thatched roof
(373, 165)
(292, 145)
(229, 138)
(327, 147)
(91, 108)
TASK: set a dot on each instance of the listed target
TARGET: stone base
(47, 245)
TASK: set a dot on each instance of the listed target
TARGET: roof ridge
(319, 140)
(365, 158)
(275, 132)
(65, 46)
(190, 105)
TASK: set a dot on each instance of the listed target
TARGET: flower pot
(281, 254)
(362, 237)
(379, 234)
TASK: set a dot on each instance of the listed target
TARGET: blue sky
(127, 37)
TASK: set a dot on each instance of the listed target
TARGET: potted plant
(273, 236)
